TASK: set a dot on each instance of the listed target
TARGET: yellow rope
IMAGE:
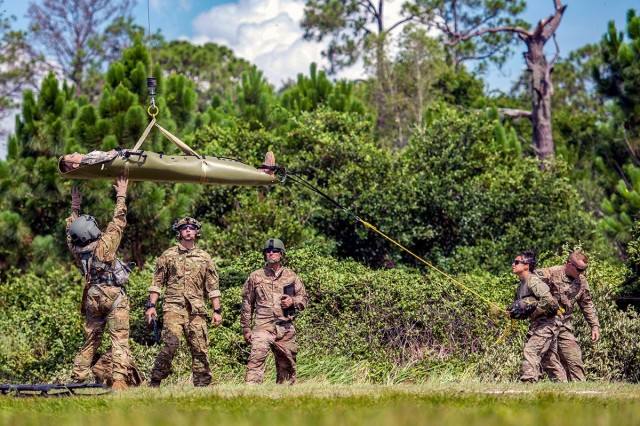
(458, 283)
(373, 228)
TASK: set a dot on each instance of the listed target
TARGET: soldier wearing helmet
(274, 293)
(105, 304)
(189, 277)
(569, 285)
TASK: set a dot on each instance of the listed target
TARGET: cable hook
(152, 84)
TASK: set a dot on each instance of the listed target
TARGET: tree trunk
(541, 92)
(381, 91)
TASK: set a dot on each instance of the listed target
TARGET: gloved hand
(76, 198)
(121, 186)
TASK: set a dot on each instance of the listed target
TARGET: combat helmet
(187, 221)
(274, 243)
(84, 230)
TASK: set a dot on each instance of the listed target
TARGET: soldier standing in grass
(534, 301)
(569, 286)
(105, 304)
(273, 293)
(190, 277)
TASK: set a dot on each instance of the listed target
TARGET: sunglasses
(519, 262)
(272, 250)
(577, 268)
(191, 227)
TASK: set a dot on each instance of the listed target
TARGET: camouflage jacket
(189, 276)
(532, 285)
(568, 292)
(106, 246)
(262, 292)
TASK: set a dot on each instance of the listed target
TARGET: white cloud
(266, 33)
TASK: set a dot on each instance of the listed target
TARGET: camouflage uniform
(95, 157)
(102, 370)
(543, 328)
(261, 294)
(98, 301)
(567, 362)
(190, 277)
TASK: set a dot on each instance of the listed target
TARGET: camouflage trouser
(567, 362)
(97, 305)
(102, 370)
(194, 327)
(541, 340)
(281, 338)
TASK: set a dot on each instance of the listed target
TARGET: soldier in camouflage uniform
(569, 287)
(543, 326)
(274, 293)
(105, 304)
(75, 160)
(189, 277)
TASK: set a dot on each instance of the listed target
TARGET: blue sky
(267, 33)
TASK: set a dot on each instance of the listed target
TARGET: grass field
(321, 404)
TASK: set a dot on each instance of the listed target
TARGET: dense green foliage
(618, 79)
(433, 164)
(375, 326)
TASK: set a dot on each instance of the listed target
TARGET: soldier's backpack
(119, 272)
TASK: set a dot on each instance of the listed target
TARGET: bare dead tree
(540, 69)
(70, 29)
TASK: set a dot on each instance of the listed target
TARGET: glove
(121, 186)
(76, 198)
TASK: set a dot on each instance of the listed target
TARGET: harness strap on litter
(183, 146)
(144, 135)
(176, 141)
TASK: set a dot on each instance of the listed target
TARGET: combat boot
(120, 385)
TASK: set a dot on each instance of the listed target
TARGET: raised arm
(110, 241)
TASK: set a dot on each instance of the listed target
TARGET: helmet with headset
(187, 221)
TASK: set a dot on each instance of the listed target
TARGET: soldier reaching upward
(105, 304)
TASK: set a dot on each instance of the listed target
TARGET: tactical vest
(100, 273)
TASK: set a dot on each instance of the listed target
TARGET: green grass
(324, 404)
